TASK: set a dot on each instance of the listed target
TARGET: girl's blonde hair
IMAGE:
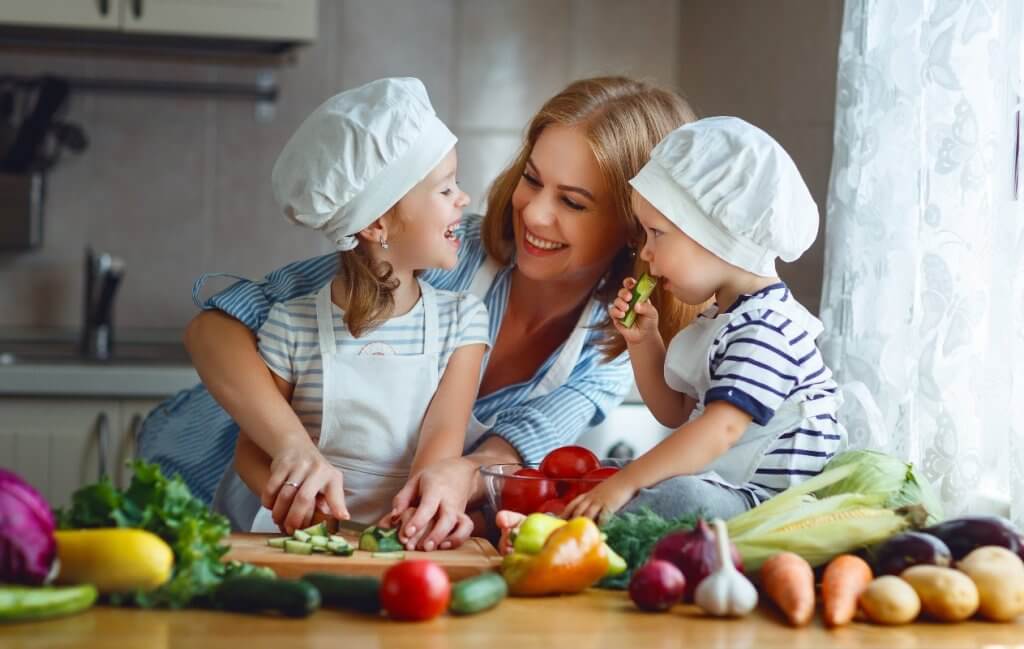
(623, 120)
(369, 290)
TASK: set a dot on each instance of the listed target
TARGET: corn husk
(817, 529)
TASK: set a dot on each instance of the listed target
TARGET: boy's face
(689, 271)
(424, 233)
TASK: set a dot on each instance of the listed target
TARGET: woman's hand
(320, 488)
(431, 507)
(646, 323)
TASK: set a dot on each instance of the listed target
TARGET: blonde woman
(547, 258)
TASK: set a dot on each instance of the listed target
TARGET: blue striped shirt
(190, 433)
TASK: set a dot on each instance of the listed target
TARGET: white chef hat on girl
(357, 155)
(734, 190)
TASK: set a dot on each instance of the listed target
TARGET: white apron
(557, 374)
(373, 406)
(688, 370)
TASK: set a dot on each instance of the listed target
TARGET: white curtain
(923, 297)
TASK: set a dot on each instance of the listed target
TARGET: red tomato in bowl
(415, 590)
(597, 476)
(525, 496)
(569, 462)
(555, 507)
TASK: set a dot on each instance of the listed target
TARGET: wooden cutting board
(474, 557)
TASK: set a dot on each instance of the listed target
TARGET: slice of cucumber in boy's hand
(641, 292)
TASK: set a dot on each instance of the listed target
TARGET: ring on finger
(293, 484)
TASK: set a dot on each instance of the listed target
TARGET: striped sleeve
(540, 425)
(249, 302)
(756, 365)
(277, 344)
(474, 322)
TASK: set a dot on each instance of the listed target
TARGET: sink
(67, 352)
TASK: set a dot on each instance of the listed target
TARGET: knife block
(21, 211)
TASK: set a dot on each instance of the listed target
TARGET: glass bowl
(528, 494)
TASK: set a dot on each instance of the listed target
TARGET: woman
(557, 239)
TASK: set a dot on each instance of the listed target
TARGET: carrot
(845, 578)
(789, 582)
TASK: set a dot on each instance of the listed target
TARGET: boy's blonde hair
(622, 119)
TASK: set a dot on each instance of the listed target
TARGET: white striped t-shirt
(290, 346)
(761, 360)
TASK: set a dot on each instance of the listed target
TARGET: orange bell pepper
(573, 558)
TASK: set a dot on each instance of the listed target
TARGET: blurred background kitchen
(158, 161)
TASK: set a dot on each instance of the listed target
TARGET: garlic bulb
(726, 592)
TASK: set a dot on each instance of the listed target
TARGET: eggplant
(910, 549)
(966, 533)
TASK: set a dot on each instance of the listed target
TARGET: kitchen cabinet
(275, 20)
(59, 445)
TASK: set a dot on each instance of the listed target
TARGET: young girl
(745, 387)
(381, 368)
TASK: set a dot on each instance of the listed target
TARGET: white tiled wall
(181, 186)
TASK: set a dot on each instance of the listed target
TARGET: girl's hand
(600, 502)
(321, 488)
(646, 323)
(440, 493)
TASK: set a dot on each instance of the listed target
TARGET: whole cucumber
(20, 603)
(350, 592)
(252, 594)
(478, 594)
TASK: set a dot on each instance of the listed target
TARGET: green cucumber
(348, 592)
(478, 594)
(375, 539)
(301, 535)
(341, 549)
(19, 603)
(297, 547)
(320, 529)
(318, 541)
(334, 538)
(643, 289)
(278, 542)
(294, 598)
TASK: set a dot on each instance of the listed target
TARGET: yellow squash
(115, 560)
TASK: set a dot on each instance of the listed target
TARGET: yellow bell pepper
(573, 558)
(113, 559)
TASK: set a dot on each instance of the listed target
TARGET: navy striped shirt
(192, 435)
(762, 360)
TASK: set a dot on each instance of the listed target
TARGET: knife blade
(353, 526)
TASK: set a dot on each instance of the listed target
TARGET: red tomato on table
(525, 496)
(415, 590)
(569, 462)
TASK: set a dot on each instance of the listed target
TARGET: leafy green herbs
(166, 507)
(632, 535)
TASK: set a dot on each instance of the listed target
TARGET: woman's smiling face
(564, 219)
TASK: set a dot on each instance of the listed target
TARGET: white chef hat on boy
(357, 155)
(734, 190)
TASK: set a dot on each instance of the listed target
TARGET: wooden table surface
(596, 619)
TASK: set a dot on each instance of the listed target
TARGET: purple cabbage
(27, 544)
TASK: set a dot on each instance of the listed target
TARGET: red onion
(27, 544)
(656, 586)
(694, 554)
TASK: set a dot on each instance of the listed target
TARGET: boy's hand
(646, 323)
(602, 501)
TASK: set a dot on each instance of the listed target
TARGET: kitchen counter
(594, 619)
(48, 363)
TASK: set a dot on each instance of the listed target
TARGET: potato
(999, 575)
(890, 600)
(946, 594)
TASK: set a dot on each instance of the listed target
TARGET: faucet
(103, 274)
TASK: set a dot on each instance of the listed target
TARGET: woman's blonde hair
(622, 119)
